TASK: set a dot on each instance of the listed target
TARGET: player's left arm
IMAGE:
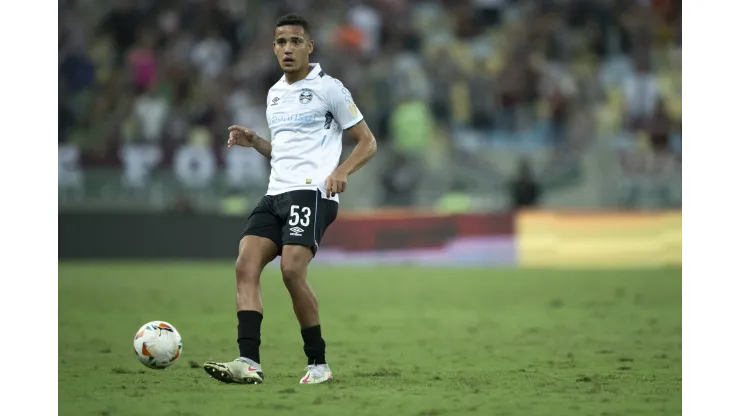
(365, 148)
(351, 120)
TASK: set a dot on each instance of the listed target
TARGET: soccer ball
(157, 344)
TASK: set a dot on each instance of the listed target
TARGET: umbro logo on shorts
(296, 231)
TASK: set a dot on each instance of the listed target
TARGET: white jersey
(306, 121)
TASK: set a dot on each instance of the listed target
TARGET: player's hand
(242, 136)
(336, 183)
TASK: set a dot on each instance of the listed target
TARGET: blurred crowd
(449, 74)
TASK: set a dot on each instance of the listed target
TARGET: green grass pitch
(400, 341)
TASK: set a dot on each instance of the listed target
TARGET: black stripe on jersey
(328, 118)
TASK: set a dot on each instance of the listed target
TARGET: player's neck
(293, 77)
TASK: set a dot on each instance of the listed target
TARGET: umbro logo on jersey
(296, 232)
(275, 101)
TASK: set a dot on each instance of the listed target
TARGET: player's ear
(310, 46)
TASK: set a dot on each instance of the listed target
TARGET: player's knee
(292, 271)
(247, 271)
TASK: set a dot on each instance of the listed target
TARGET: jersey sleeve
(342, 106)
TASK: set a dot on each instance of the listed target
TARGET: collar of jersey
(316, 68)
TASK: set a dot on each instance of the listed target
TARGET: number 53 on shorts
(299, 215)
(308, 216)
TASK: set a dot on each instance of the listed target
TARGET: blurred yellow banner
(599, 239)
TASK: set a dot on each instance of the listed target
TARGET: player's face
(292, 47)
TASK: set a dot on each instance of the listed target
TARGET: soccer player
(307, 112)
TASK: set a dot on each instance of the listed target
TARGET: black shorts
(296, 217)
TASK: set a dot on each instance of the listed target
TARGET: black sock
(249, 334)
(313, 345)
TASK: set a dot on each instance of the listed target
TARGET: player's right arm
(242, 136)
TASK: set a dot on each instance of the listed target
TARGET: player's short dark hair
(293, 20)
